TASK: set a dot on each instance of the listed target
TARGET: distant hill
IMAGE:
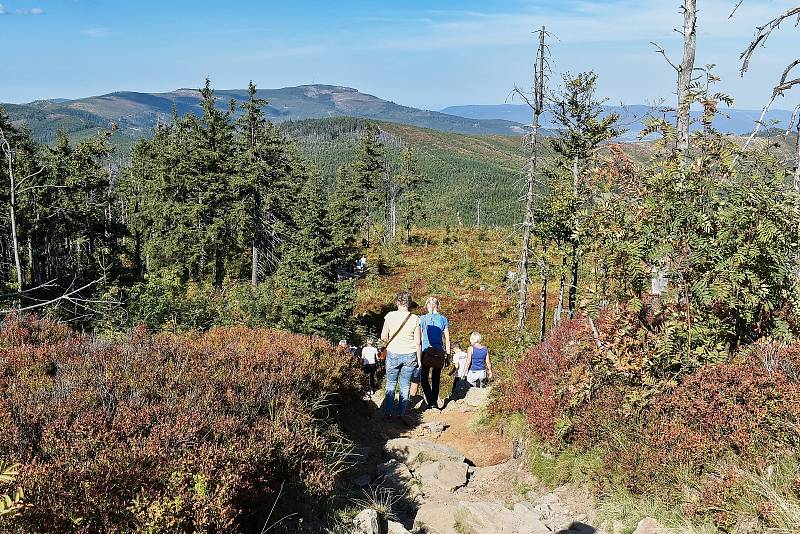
(463, 169)
(733, 121)
(136, 113)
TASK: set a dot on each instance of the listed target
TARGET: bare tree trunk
(797, 157)
(562, 283)
(254, 268)
(13, 212)
(543, 294)
(573, 283)
(685, 70)
(537, 107)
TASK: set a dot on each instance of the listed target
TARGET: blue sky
(427, 54)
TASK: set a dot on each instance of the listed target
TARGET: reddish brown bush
(550, 376)
(190, 432)
(742, 408)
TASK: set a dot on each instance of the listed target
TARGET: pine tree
(411, 182)
(368, 170)
(310, 299)
(582, 129)
(347, 214)
(267, 185)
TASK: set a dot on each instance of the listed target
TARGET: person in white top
(369, 355)
(459, 369)
(459, 361)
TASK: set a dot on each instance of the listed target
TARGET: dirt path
(445, 474)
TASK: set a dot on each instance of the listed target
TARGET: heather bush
(168, 433)
(687, 436)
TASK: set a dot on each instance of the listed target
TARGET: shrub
(176, 432)
(658, 434)
(548, 378)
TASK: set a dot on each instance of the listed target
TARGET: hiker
(435, 348)
(480, 368)
(369, 355)
(404, 352)
(459, 367)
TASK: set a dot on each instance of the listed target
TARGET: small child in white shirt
(459, 360)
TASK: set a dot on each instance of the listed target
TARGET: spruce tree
(368, 169)
(310, 298)
(347, 214)
(411, 182)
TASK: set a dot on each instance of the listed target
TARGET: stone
(444, 475)
(397, 474)
(477, 517)
(414, 452)
(366, 522)
(435, 427)
(477, 397)
(648, 525)
(396, 528)
(749, 525)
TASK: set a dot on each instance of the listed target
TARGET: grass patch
(623, 511)
(461, 523)
(555, 469)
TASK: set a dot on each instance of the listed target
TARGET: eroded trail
(442, 475)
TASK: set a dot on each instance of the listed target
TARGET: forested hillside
(462, 170)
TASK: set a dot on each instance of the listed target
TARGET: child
(459, 361)
(480, 368)
(369, 360)
(459, 369)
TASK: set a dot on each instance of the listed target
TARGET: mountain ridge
(729, 120)
(134, 112)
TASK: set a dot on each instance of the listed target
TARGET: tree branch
(762, 34)
(660, 50)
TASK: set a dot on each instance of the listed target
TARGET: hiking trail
(443, 474)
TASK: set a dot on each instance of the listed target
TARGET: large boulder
(442, 476)
(366, 522)
(478, 518)
(477, 397)
(413, 452)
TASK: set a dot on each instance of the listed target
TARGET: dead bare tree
(785, 83)
(684, 71)
(14, 190)
(536, 102)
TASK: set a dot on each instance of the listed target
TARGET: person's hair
(475, 337)
(369, 341)
(457, 346)
(433, 302)
(403, 298)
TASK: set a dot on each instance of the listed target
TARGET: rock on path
(443, 493)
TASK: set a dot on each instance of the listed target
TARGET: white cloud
(96, 32)
(32, 11)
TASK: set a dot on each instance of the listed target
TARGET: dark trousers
(370, 370)
(430, 386)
